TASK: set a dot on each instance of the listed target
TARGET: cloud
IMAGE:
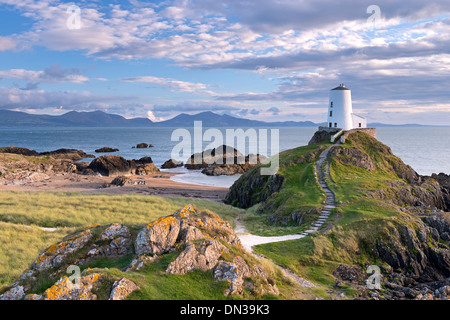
(53, 74)
(175, 85)
(302, 49)
(13, 98)
(6, 43)
(274, 110)
(192, 107)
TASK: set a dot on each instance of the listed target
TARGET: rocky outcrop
(223, 160)
(140, 262)
(253, 188)
(111, 165)
(203, 255)
(197, 240)
(171, 163)
(121, 181)
(16, 168)
(55, 255)
(237, 272)
(106, 149)
(16, 292)
(122, 289)
(420, 250)
(19, 150)
(321, 136)
(218, 155)
(64, 289)
(143, 145)
(158, 237)
(428, 194)
(68, 154)
(354, 157)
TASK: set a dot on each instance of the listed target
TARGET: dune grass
(61, 209)
(20, 245)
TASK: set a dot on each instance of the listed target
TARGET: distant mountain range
(11, 119)
(101, 119)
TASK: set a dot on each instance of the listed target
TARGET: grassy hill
(387, 215)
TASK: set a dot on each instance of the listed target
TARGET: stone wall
(370, 131)
(328, 129)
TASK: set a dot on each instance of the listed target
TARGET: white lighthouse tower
(340, 113)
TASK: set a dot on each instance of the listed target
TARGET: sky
(263, 60)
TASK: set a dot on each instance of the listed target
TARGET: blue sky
(263, 60)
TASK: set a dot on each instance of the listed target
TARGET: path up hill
(386, 215)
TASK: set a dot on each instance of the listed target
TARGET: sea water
(425, 149)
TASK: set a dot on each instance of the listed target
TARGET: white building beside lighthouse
(340, 113)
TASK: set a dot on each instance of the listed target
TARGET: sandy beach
(158, 184)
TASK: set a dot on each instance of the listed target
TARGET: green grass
(61, 209)
(257, 223)
(157, 285)
(20, 245)
(300, 193)
(360, 218)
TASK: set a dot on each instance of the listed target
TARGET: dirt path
(249, 240)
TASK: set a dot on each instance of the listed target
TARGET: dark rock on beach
(111, 165)
(19, 150)
(171, 163)
(223, 160)
(69, 154)
(106, 149)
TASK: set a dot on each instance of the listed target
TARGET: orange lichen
(163, 221)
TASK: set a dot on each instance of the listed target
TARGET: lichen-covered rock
(205, 226)
(237, 271)
(113, 231)
(15, 293)
(158, 237)
(228, 271)
(122, 289)
(140, 262)
(55, 255)
(116, 247)
(203, 256)
(33, 296)
(189, 234)
(64, 289)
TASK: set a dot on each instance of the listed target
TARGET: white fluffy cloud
(176, 85)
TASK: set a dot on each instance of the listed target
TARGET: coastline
(157, 184)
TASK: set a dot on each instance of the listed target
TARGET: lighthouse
(340, 110)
